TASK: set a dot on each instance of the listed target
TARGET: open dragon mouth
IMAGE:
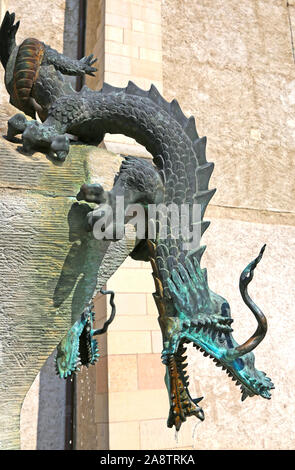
(210, 332)
(77, 347)
(241, 371)
(182, 405)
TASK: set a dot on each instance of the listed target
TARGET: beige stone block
(142, 39)
(145, 83)
(120, 80)
(137, 11)
(155, 4)
(134, 322)
(119, 138)
(118, 7)
(151, 305)
(113, 33)
(146, 265)
(131, 263)
(142, 404)
(157, 341)
(129, 342)
(122, 373)
(138, 25)
(117, 62)
(154, 434)
(116, 79)
(146, 68)
(112, 19)
(131, 304)
(124, 436)
(146, 27)
(101, 407)
(151, 55)
(151, 372)
(131, 280)
(145, 13)
(118, 143)
(123, 148)
(121, 49)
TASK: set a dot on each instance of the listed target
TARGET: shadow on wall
(52, 408)
(43, 414)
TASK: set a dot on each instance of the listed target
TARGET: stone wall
(231, 65)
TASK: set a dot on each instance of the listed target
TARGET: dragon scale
(166, 133)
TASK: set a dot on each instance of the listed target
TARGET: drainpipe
(81, 37)
(70, 419)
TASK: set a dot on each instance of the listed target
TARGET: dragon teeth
(244, 395)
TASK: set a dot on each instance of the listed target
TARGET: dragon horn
(245, 278)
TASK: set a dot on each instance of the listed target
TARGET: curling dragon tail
(8, 31)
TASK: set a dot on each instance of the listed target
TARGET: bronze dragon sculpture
(189, 312)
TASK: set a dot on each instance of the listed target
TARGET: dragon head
(204, 319)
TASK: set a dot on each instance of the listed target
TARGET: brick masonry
(129, 48)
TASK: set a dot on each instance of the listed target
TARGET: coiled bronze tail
(26, 70)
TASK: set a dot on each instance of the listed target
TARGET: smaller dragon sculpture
(34, 71)
(189, 312)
